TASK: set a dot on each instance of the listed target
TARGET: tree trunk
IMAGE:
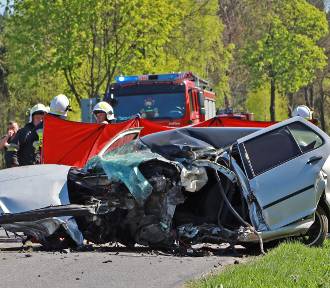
(321, 106)
(311, 96)
(290, 104)
(69, 81)
(272, 100)
(306, 96)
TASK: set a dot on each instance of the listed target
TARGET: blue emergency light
(121, 79)
(158, 77)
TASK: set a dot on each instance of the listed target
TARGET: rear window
(270, 150)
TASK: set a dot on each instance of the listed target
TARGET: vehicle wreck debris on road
(183, 186)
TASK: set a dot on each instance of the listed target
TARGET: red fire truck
(176, 99)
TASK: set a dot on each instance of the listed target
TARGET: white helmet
(38, 109)
(60, 105)
(303, 111)
(106, 108)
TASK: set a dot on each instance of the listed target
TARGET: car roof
(282, 124)
(199, 137)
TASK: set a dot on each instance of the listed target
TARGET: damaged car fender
(29, 188)
(32, 187)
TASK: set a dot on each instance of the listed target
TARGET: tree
(196, 44)
(4, 93)
(88, 41)
(91, 41)
(237, 16)
(287, 55)
(258, 104)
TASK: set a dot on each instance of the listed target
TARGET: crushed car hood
(47, 184)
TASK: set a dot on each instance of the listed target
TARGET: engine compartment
(168, 215)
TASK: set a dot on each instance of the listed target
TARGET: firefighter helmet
(106, 108)
(303, 111)
(37, 109)
(60, 105)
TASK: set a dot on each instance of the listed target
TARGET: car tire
(317, 233)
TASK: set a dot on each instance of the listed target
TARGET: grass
(288, 265)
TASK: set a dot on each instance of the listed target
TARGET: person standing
(59, 107)
(6, 140)
(24, 149)
(103, 113)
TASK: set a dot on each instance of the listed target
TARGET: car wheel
(317, 233)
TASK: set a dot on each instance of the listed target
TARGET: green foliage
(289, 265)
(38, 89)
(287, 50)
(258, 102)
(196, 44)
(4, 94)
(86, 43)
(89, 41)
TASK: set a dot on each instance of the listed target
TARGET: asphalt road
(106, 267)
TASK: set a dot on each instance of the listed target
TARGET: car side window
(305, 137)
(270, 150)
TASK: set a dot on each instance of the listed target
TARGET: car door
(282, 163)
(120, 139)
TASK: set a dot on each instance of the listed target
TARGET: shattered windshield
(121, 164)
(95, 164)
(131, 147)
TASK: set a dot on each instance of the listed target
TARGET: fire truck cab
(176, 99)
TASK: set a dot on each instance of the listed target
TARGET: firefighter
(59, 106)
(7, 139)
(149, 110)
(24, 148)
(103, 113)
(303, 111)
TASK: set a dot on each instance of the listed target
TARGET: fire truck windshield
(156, 105)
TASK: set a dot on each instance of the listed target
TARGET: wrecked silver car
(189, 185)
